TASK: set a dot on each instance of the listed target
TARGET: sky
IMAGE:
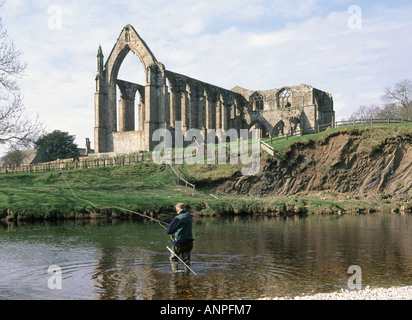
(351, 49)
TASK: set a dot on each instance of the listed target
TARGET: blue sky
(256, 44)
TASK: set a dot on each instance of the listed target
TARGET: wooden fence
(182, 181)
(81, 163)
(357, 122)
(123, 160)
(266, 147)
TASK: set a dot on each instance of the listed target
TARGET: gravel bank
(368, 293)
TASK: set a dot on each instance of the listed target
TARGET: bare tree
(398, 104)
(401, 95)
(16, 130)
(365, 113)
(390, 111)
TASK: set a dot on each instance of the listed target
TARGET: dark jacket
(181, 229)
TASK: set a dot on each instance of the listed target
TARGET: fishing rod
(173, 253)
(163, 224)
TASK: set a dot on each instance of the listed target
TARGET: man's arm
(173, 226)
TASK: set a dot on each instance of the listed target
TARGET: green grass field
(137, 187)
(152, 188)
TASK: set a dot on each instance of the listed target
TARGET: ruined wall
(287, 110)
(128, 142)
(167, 98)
(200, 105)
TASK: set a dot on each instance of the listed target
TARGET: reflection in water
(234, 258)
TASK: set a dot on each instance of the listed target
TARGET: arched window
(284, 98)
(257, 101)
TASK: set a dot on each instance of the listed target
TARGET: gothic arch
(171, 80)
(129, 40)
(263, 125)
(279, 128)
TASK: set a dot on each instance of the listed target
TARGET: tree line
(397, 104)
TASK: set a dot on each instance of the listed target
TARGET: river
(234, 258)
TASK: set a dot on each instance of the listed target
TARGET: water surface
(234, 258)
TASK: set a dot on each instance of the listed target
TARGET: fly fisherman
(181, 230)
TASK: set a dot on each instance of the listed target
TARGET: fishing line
(161, 223)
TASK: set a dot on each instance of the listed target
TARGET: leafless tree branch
(400, 94)
(16, 129)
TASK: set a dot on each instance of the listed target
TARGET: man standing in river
(181, 230)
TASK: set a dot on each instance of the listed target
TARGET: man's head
(180, 207)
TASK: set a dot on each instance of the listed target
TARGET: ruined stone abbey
(168, 98)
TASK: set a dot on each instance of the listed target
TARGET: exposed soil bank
(345, 165)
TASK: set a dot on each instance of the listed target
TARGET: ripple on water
(129, 261)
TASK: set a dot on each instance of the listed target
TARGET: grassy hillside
(150, 188)
(374, 136)
(138, 187)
